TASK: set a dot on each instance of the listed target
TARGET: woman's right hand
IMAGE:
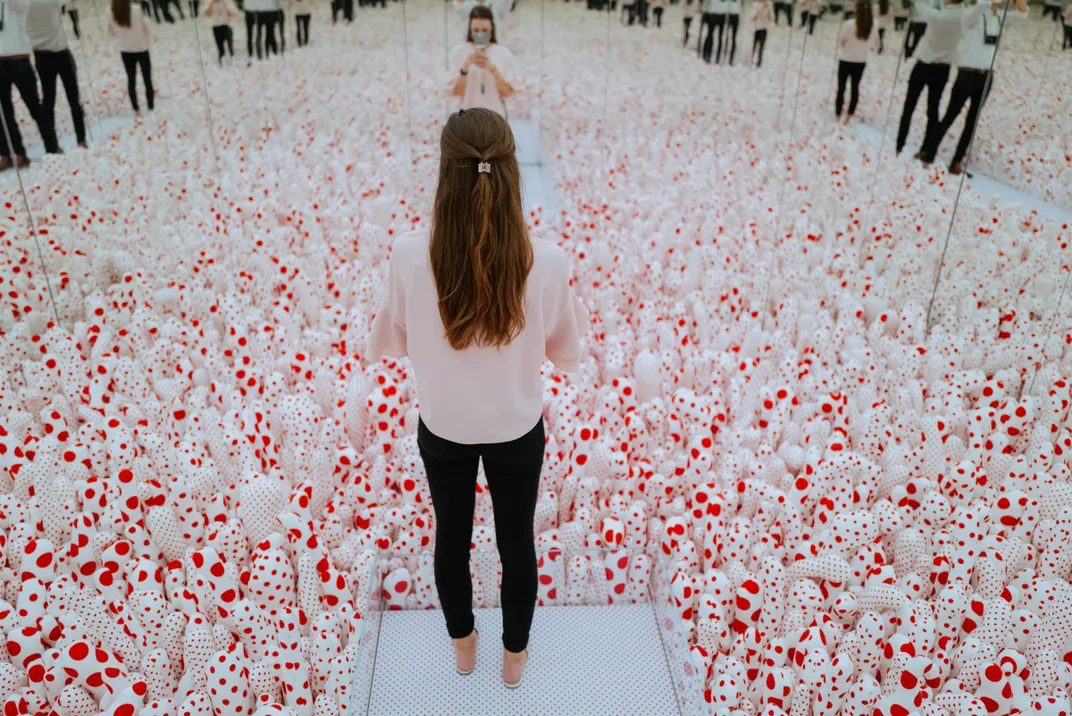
(473, 57)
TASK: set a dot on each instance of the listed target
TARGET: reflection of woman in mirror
(16, 70)
(658, 7)
(220, 13)
(688, 10)
(916, 28)
(1068, 27)
(477, 306)
(809, 14)
(762, 18)
(732, 11)
(480, 80)
(499, 10)
(53, 60)
(975, 58)
(303, 11)
(854, 42)
(783, 7)
(882, 22)
(130, 27)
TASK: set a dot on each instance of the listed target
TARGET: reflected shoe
(957, 168)
(513, 666)
(465, 653)
(5, 164)
(22, 161)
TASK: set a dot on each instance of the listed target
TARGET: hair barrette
(484, 168)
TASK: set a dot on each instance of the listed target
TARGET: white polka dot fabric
(584, 661)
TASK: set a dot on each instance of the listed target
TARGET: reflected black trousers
(513, 474)
(970, 87)
(18, 72)
(925, 76)
(60, 65)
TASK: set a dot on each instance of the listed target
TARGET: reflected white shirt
(974, 51)
(945, 28)
(44, 24)
(14, 40)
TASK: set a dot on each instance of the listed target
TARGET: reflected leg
(73, 14)
(733, 19)
(688, 22)
(16, 148)
(1068, 38)
(131, 67)
(842, 80)
(26, 81)
(147, 78)
(261, 21)
(958, 97)
(707, 32)
(47, 70)
(251, 22)
(219, 34)
(938, 77)
(812, 18)
(229, 36)
(856, 73)
(759, 41)
(917, 80)
(980, 88)
(513, 473)
(452, 470)
(281, 18)
(881, 39)
(68, 74)
(720, 25)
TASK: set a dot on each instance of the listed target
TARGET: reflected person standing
(130, 28)
(16, 71)
(484, 65)
(53, 59)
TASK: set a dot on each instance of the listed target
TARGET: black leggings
(971, 87)
(281, 16)
(759, 41)
(787, 8)
(809, 19)
(513, 473)
(302, 21)
(688, 24)
(73, 14)
(266, 29)
(710, 22)
(848, 71)
(732, 22)
(1068, 38)
(658, 12)
(924, 76)
(131, 61)
(18, 72)
(1054, 10)
(899, 23)
(60, 65)
(251, 22)
(881, 39)
(224, 37)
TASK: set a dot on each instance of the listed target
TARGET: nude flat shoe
(465, 659)
(509, 671)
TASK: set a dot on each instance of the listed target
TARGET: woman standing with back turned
(855, 40)
(130, 27)
(477, 306)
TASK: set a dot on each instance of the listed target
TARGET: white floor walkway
(585, 661)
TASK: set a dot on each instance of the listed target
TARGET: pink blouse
(480, 394)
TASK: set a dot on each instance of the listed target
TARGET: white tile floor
(585, 661)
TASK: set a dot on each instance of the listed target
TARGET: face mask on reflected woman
(481, 38)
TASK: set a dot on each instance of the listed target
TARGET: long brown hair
(864, 19)
(480, 250)
(481, 12)
(121, 12)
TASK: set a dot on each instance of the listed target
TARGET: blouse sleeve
(388, 334)
(568, 324)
